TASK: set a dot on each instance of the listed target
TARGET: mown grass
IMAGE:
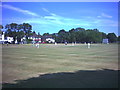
(25, 61)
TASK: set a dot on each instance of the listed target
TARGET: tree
(20, 34)
(12, 30)
(81, 36)
(72, 35)
(46, 34)
(112, 38)
(55, 36)
(17, 31)
(62, 36)
(9, 33)
(39, 35)
(93, 36)
(79, 29)
(1, 27)
(27, 29)
(104, 35)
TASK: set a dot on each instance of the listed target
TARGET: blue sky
(53, 16)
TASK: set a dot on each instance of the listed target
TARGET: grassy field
(21, 62)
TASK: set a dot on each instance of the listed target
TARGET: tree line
(81, 35)
(78, 35)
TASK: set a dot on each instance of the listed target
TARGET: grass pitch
(20, 62)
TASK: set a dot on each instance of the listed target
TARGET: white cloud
(45, 10)
(104, 22)
(104, 15)
(64, 21)
(59, 21)
(19, 10)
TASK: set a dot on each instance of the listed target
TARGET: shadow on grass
(105, 78)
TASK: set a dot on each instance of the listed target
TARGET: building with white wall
(50, 40)
(7, 39)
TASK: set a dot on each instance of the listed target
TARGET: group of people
(88, 44)
(38, 45)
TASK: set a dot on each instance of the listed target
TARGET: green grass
(25, 61)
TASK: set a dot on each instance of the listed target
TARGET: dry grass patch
(24, 61)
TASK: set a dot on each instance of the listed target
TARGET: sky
(50, 17)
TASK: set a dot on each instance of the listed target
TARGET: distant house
(48, 38)
(105, 41)
(35, 38)
(4, 39)
(9, 39)
(38, 39)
